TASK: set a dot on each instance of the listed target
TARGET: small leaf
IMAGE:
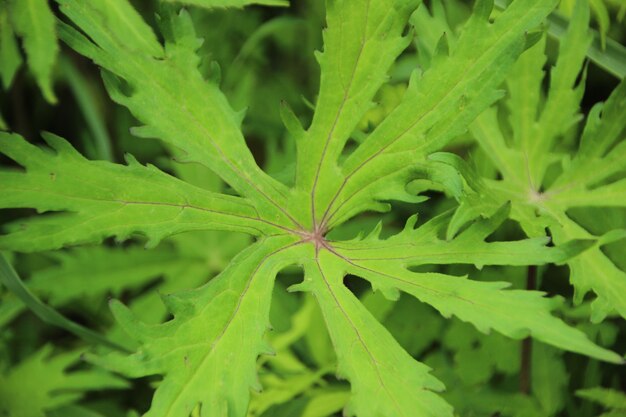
(10, 58)
(34, 22)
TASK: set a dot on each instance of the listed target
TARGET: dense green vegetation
(202, 216)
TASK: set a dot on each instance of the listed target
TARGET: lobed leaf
(153, 81)
(41, 383)
(10, 58)
(218, 4)
(384, 379)
(362, 40)
(514, 313)
(438, 105)
(592, 177)
(422, 245)
(106, 199)
(208, 352)
(34, 22)
(101, 271)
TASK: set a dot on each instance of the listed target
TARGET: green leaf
(283, 376)
(560, 108)
(109, 270)
(595, 271)
(10, 307)
(41, 383)
(213, 340)
(206, 355)
(549, 378)
(438, 105)
(361, 42)
(384, 379)
(152, 81)
(486, 305)
(106, 200)
(591, 177)
(422, 245)
(34, 22)
(605, 52)
(10, 58)
(326, 402)
(88, 104)
(73, 411)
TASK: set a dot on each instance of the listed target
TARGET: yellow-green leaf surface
(95, 200)
(384, 379)
(362, 40)
(437, 106)
(486, 305)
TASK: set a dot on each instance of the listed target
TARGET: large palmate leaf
(592, 177)
(207, 353)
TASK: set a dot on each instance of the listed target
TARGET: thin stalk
(525, 384)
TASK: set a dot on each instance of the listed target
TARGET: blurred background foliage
(264, 58)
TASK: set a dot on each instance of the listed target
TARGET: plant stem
(527, 346)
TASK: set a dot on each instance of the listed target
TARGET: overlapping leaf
(593, 177)
(209, 350)
(437, 106)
